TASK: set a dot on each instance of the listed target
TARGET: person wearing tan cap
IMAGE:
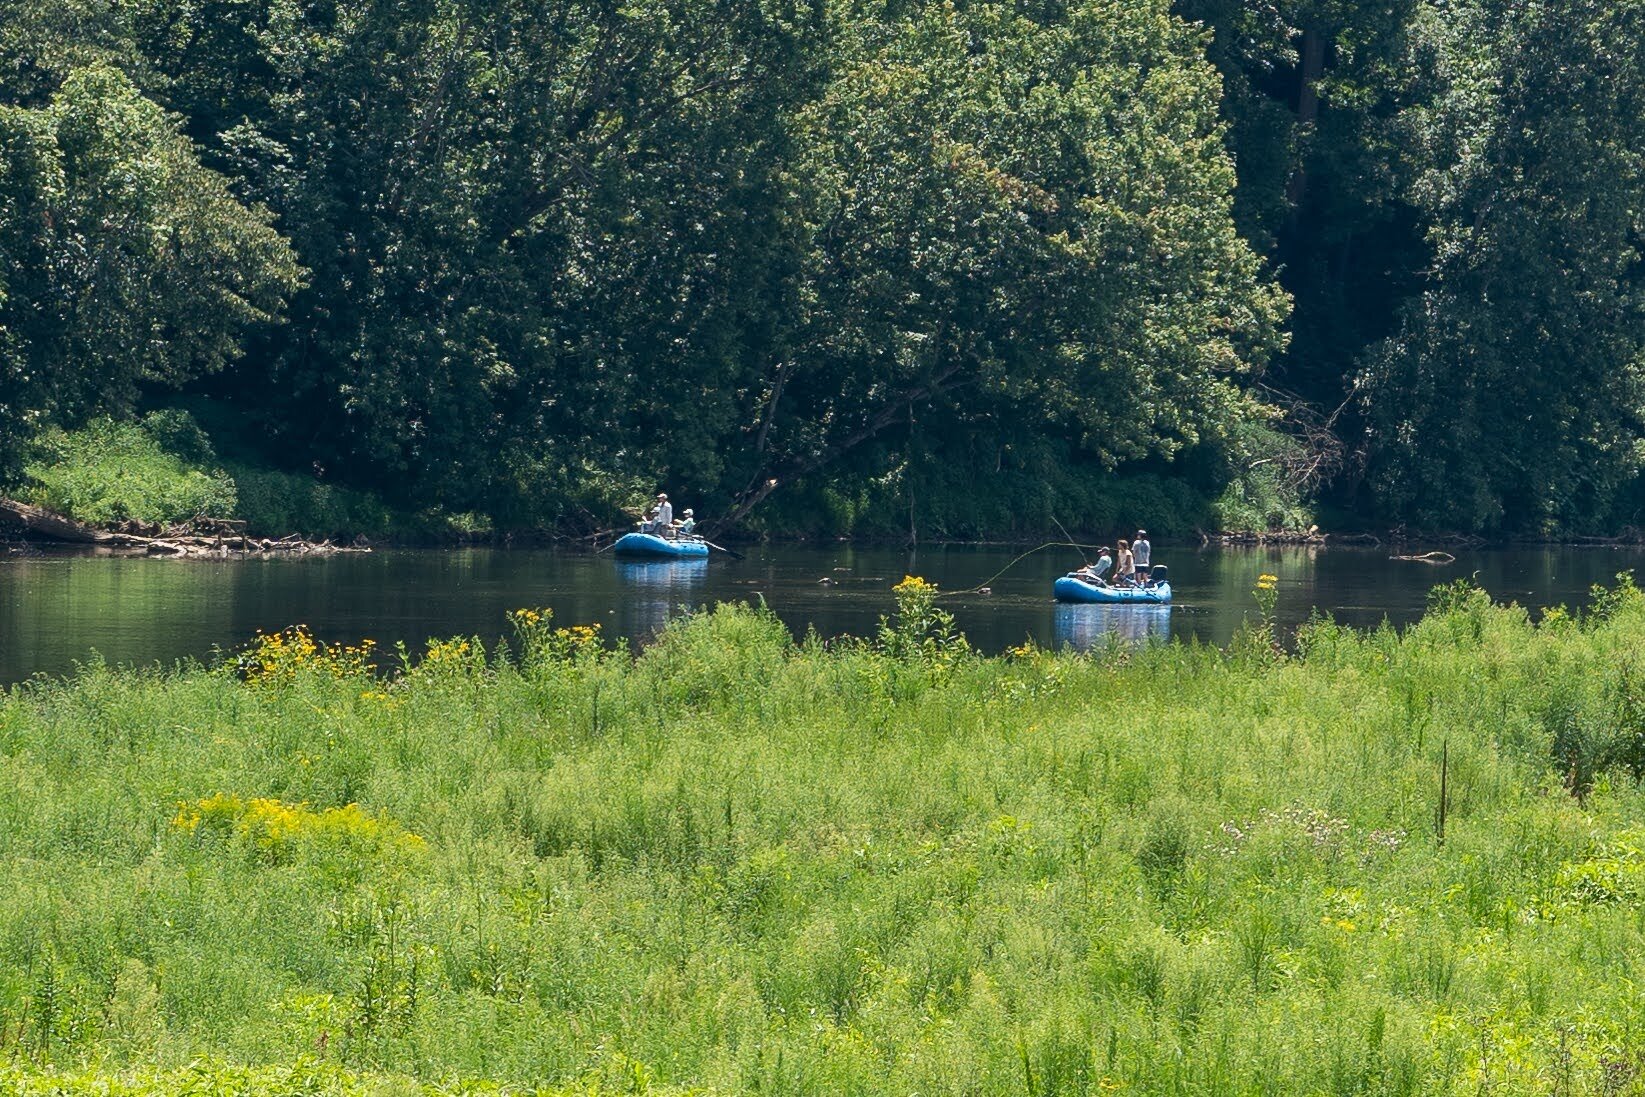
(1093, 573)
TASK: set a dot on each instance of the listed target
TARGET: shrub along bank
(1387, 863)
(163, 470)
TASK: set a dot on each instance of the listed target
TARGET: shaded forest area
(838, 266)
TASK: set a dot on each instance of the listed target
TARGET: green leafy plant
(159, 470)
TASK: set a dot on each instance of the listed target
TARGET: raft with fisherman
(1136, 580)
(660, 535)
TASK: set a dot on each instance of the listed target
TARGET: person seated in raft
(661, 519)
(1143, 553)
(1125, 572)
(1093, 573)
(688, 523)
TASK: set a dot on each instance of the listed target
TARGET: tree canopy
(868, 256)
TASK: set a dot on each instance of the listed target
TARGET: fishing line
(989, 581)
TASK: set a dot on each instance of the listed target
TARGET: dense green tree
(1020, 214)
(1311, 89)
(546, 241)
(123, 261)
(1510, 399)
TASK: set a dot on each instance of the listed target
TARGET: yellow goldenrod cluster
(380, 697)
(276, 829)
(579, 638)
(276, 658)
(451, 659)
(913, 586)
(447, 652)
(1266, 594)
(920, 630)
(540, 641)
(916, 599)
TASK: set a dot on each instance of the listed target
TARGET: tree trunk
(1311, 67)
(50, 524)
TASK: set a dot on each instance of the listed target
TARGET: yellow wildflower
(276, 829)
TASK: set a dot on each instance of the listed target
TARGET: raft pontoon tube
(650, 544)
(1071, 588)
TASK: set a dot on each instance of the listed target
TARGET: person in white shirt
(688, 522)
(1142, 552)
(661, 519)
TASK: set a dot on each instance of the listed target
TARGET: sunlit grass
(743, 864)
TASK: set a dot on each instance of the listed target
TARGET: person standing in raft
(1093, 573)
(1143, 553)
(1125, 572)
(661, 519)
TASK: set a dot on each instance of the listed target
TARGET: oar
(735, 555)
(614, 540)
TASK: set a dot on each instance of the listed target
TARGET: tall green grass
(741, 864)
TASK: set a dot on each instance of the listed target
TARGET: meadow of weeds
(737, 864)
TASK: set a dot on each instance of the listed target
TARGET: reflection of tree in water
(1083, 627)
(660, 588)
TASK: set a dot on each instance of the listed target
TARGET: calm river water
(57, 609)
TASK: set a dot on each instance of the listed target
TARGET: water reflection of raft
(1087, 627)
(1073, 589)
(649, 544)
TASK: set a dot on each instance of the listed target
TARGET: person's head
(1102, 550)
(662, 497)
(1141, 534)
(689, 512)
(1124, 545)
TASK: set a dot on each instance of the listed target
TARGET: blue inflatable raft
(649, 544)
(1072, 589)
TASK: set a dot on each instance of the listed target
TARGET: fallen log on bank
(1435, 557)
(52, 525)
(228, 540)
(222, 548)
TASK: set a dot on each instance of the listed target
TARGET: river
(56, 609)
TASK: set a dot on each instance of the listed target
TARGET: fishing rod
(1070, 543)
(1070, 536)
(978, 589)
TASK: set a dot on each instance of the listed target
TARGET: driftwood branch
(1435, 557)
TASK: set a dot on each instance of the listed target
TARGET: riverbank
(163, 470)
(163, 473)
(1388, 862)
